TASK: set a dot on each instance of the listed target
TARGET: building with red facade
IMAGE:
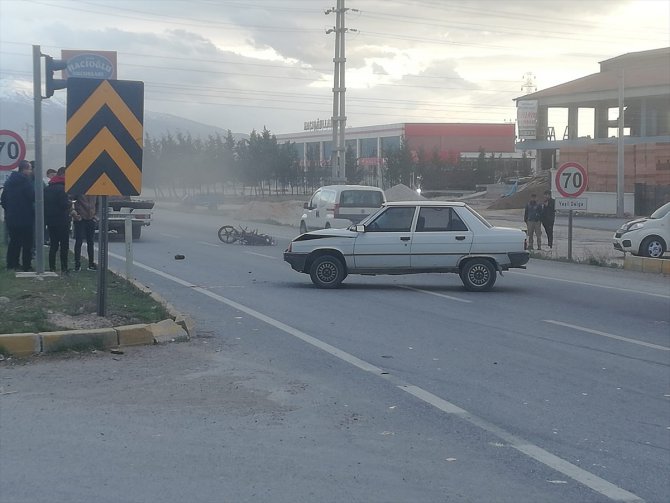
(371, 144)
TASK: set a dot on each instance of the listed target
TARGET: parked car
(411, 237)
(648, 237)
(340, 206)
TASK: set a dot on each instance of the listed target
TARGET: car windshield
(661, 212)
(371, 216)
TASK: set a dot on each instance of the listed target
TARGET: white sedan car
(648, 237)
(408, 238)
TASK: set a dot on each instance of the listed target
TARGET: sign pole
(37, 172)
(128, 235)
(570, 235)
(102, 257)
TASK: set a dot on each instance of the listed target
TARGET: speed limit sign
(12, 150)
(571, 179)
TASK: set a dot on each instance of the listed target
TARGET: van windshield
(661, 212)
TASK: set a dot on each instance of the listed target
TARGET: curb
(646, 264)
(177, 328)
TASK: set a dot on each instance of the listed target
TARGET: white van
(340, 206)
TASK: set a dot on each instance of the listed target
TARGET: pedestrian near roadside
(85, 220)
(50, 174)
(57, 207)
(532, 215)
(549, 216)
(18, 201)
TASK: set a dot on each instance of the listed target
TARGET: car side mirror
(305, 206)
(360, 228)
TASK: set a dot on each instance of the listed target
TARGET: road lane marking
(533, 451)
(169, 235)
(261, 255)
(574, 472)
(436, 294)
(605, 334)
(620, 289)
(207, 244)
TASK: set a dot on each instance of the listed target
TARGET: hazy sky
(249, 64)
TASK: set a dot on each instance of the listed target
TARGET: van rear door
(355, 205)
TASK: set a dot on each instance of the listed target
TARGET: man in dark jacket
(18, 201)
(57, 209)
(533, 216)
(549, 216)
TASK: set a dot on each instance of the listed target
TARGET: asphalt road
(554, 387)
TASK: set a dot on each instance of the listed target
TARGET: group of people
(538, 215)
(60, 212)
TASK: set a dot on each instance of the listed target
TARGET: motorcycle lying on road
(242, 235)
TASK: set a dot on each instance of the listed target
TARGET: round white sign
(571, 179)
(12, 149)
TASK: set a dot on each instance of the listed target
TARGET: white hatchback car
(411, 237)
(648, 237)
(340, 206)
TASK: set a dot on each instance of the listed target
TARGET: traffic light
(53, 65)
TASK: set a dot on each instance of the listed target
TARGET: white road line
(574, 472)
(605, 334)
(620, 289)
(169, 235)
(261, 255)
(207, 244)
(436, 294)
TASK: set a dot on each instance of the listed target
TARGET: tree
(400, 165)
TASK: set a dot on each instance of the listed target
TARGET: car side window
(439, 220)
(396, 219)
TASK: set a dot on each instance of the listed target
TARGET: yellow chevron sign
(104, 136)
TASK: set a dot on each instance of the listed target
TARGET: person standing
(549, 216)
(18, 201)
(57, 219)
(85, 219)
(533, 216)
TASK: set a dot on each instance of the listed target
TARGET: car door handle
(460, 238)
(404, 238)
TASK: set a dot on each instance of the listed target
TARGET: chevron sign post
(104, 137)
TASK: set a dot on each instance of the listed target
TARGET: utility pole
(338, 157)
(37, 172)
(620, 151)
(529, 86)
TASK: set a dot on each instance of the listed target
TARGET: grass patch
(34, 303)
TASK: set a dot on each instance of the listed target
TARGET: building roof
(644, 73)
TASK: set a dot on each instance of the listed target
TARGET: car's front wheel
(327, 271)
(653, 247)
(303, 227)
(478, 275)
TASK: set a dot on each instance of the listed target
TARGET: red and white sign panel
(571, 179)
(526, 119)
(12, 150)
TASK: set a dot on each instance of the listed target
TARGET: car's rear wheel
(653, 247)
(303, 227)
(478, 275)
(327, 271)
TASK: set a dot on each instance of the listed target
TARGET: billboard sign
(89, 64)
(526, 119)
